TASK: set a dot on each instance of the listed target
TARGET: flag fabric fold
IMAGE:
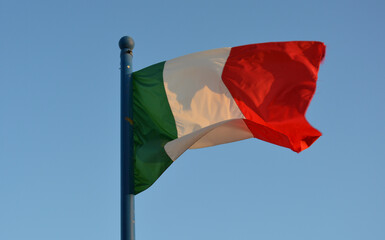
(220, 96)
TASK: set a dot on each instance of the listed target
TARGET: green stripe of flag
(154, 126)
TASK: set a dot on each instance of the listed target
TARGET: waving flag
(220, 96)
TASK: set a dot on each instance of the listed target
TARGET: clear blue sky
(59, 124)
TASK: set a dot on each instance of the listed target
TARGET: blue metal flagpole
(127, 215)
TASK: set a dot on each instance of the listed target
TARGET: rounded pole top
(126, 42)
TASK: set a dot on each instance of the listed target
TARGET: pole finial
(126, 42)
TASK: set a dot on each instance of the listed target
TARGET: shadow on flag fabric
(221, 96)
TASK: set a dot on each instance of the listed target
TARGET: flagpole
(127, 214)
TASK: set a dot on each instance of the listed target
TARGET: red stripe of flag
(273, 83)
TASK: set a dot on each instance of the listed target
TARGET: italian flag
(221, 96)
